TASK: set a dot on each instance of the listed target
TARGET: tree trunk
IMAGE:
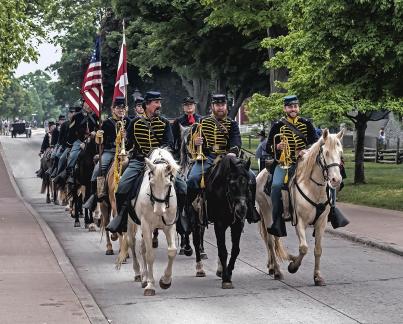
(360, 126)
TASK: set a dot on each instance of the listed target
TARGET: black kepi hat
(187, 100)
(218, 98)
(119, 101)
(290, 100)
(152, 95)
(138, 100)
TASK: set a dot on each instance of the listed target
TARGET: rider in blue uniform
(109, 130)
(144, 134)
(219, 135)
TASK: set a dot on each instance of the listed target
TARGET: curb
(87, 301)
(365, 240)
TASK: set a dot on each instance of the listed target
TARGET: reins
(321, 206)
(168, 195)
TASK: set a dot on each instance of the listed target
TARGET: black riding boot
(252, 216)
(336, 218)
(119, 223)
(60, 179)
(91, 203)
(278, 227)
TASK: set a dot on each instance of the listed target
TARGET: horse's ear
(168, 169)
(150, 165)
(325, 134)
(341, 134)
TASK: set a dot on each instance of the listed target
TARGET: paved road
(364, 285)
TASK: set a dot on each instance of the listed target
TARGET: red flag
(92, 90)
(121, 76)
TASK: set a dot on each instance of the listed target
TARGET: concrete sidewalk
(382, 228)
(38, 284)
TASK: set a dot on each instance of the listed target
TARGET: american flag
(121, 76)
(92, 89)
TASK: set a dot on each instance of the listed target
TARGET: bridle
(321, 161)
(168, 195)
(321, 206)
(231, 199)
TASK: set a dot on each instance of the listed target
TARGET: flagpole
(100, 108)
(124, 41)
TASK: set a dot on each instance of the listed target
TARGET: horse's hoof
(137, 278)
(48, 200)
(155, 244)
(189, 251)
(200, 273)
(109, 252)
(319, 281)
(227, 285)
(218, 274)
(92, 228)
(149, 292)
(182, 251)
(292, 267)
(77, 224)
(86, 226)
(99, 222)
(124, 261)
(114, 236)
(271, 272)
(203, 256)
(56, 202)
(163, 285)
(278, 276)
(144, 284)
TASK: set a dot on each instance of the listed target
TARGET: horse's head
(231, 181)
(329, 157)
(162, 170)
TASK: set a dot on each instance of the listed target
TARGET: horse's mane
(306, 164)
(223, 169)
(165, 155)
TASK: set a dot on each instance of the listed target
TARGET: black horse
(227, 193)
(80, 190)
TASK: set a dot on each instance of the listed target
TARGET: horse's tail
(281, 252)
(124, 251)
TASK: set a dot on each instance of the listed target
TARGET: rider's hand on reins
(199, 141)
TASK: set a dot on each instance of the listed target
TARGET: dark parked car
(20, 128)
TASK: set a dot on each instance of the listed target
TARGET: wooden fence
(383, 156)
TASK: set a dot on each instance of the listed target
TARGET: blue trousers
(107, 158)
(75, 151)
(278, 182)
(62, 161)
(132, 171)
(195, 173)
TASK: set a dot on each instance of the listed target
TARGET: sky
(48, 54)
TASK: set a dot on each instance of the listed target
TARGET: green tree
(21, 28)
(174, 34)
(345, 58)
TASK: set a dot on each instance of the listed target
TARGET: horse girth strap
(320, 207)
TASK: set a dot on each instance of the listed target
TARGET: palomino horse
(227, 192)
(316, 172)
(156, 206)
(108, 208)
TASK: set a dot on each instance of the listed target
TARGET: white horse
(316, 172)
(156, 208)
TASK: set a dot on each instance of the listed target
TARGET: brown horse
(47, 185)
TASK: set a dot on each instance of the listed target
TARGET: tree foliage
(21, 29)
